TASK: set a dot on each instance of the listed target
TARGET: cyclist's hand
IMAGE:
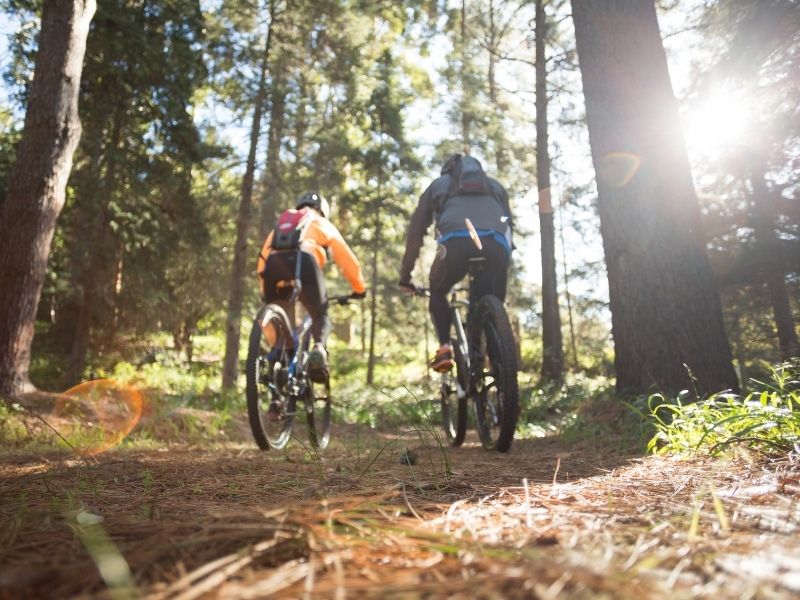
(407, 287)
(359, 295)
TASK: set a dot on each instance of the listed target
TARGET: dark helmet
(450, 163)
(316, 201)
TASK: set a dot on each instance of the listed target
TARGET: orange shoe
(443, 361)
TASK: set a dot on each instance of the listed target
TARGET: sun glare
(718, 124)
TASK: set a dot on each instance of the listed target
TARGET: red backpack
(290, 227)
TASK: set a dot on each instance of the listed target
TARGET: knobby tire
(491, 323)
(257, 392)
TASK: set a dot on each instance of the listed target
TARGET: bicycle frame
(303, 334)
(462, 328)
(461, 337)
(486, 369)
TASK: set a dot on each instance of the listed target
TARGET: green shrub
(766, 420)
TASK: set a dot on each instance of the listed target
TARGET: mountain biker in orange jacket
(462, 192)
(276, 268)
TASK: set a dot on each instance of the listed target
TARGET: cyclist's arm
(420, 221)
(262, 261)
(262, 257)
(345, 259)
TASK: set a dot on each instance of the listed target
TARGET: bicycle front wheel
(496, 392)
(454, 399)
(270, 407)
(318, 413)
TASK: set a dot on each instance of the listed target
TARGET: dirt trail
(232, 522)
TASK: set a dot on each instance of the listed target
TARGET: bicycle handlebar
(343, 300)
(422, 292)
(413, 290)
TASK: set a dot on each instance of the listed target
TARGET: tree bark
(37, 182)
(774, 269)
(552, 352)
(230, 366)
(665, 309)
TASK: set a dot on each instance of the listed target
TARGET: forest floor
(552, 518)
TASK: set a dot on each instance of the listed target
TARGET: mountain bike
(485, 356)
(278, 381)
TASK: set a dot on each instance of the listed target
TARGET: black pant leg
(493, 277)
(451, 266)
(448, 268)
(314, 297)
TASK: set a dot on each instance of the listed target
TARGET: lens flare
(102, 413)
(720, 123)
(618, 168)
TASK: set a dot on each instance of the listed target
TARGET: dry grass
(547, 520)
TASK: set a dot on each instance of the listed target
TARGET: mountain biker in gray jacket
(462, 192)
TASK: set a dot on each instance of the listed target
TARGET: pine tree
(666, 316)
(230, 367)
(552, 354)
(37, 182)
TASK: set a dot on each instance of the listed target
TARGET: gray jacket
(486, 213)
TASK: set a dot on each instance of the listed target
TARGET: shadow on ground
(175, 508)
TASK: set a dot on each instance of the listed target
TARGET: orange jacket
(317, 236)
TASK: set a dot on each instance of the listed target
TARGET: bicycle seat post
(475, 265)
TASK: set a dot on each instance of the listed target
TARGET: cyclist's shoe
(443, 361)
(318, 364)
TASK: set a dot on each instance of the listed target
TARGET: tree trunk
(495, 39)
(738, 348)
(362, 309)
(93, 273)
(774, 269)
(665, 309)
(552, 354)
(269, 201)
(567, 295)
(230, 367)
(80, 339)
(300, 120)
(492, 55)
(37, 182)
(465, 117)
(373, 299)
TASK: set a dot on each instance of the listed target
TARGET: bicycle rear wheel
(267, 379)
(454, 399)
(496, 392)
